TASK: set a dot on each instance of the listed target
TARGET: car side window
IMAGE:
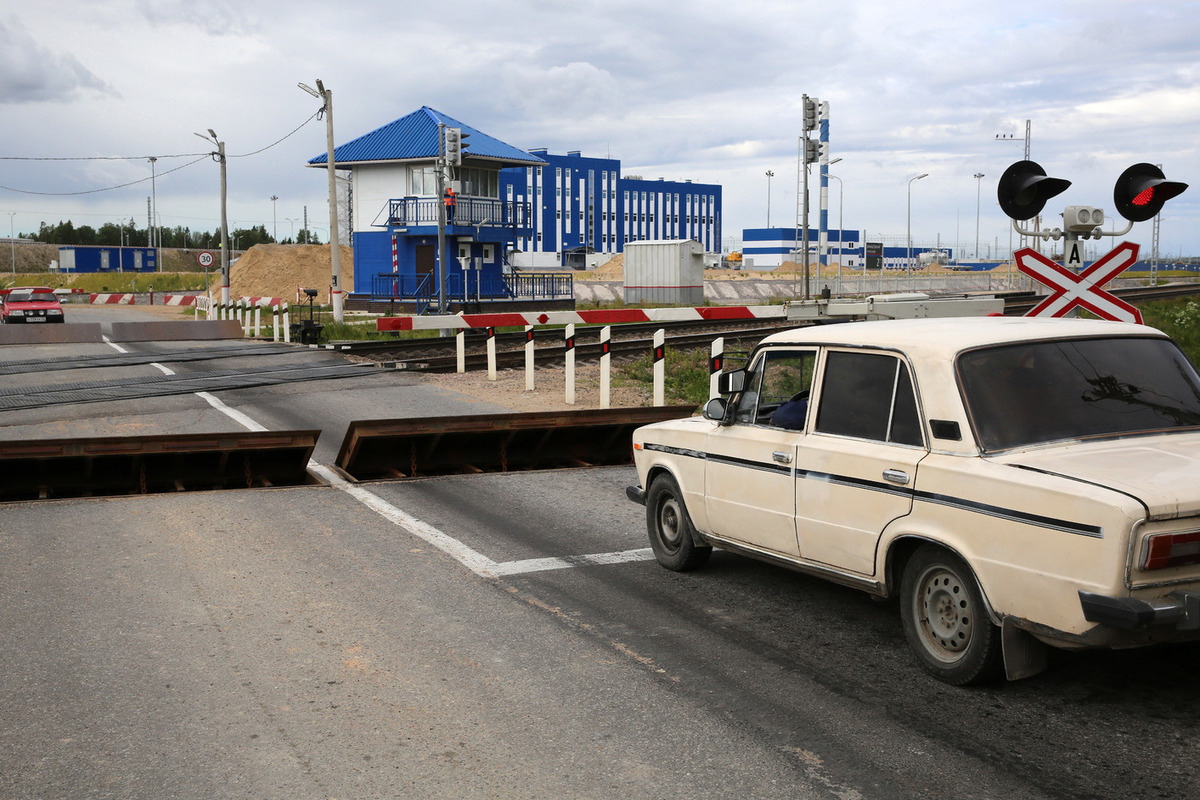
(777, 388)
(868, 396)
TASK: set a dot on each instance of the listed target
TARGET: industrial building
(514, 211)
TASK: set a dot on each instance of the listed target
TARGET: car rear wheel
(945, 620)
(670, 527)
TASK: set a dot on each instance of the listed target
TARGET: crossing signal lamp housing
(1082, 219)
(1141, 191)
(1024, 189)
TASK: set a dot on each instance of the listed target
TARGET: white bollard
(605, 366)
(287, 323)
(660, 367)
(275, 322)
(258, 319)
(491, 353)
(460, 341)
(716, 363)
(569, 359)
(245, 312)
(529, 358)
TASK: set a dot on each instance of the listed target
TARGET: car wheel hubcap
(670, 526)
(944, 614)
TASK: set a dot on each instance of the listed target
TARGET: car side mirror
(731, 382)
(715, 409)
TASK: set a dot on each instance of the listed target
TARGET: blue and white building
(584, 206)
(514, 209)
(394, 207)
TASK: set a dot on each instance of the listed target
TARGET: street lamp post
(274, 220)
(12, 240)
(978, 183)
(335, 261)
(770, 175)
(841, 230)
(219, 156)
(908, 261)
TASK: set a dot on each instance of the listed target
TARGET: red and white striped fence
(599, 317)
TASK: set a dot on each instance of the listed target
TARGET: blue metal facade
(98, 258)
(583, 205)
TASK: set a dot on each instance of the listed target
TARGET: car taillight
(1172, 550)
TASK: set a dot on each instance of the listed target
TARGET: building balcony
(473, 212)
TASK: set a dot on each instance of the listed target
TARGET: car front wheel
(670, 528)
(945, 620)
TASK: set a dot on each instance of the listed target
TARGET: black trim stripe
(1063, 525)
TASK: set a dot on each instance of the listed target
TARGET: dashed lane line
(472, 559)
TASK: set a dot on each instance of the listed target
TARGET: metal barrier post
(529, 358)
(605, 366)
(569, 359)
(491, 353)
(275, 322)
(716, 361)
(460, 341)
(660, 367)
(257, 319)
(287, 323)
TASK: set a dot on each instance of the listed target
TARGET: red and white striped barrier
(111, 299)
(179, 300)
(599, 317)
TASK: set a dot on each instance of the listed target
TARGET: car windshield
(18, 297)
(1035, 392)
(42, 297)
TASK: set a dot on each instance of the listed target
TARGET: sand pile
(275, 270)
(611, 270)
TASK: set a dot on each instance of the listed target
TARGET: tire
(670, 528)
(945, 619)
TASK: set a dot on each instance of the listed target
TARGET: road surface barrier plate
(53, 333)
(176, 330)
(122, 465)
(421, 447)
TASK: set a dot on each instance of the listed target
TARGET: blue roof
(416, 137)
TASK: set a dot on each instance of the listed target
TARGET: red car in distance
(30, 304)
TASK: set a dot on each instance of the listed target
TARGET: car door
(749, 476)
(857, 467)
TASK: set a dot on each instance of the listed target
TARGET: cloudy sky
(703, 89)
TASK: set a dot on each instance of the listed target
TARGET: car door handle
(896, 476)
(781, 457)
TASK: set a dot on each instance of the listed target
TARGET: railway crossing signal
(1070, 291)
(1024, 189)
(1141, 191)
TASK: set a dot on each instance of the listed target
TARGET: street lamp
(838, 285)
(274, 220)
(978, 175)
(770, 175)
(335, 263)
(908, 262)
(292, 220)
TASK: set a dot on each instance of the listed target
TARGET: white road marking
(473, 560)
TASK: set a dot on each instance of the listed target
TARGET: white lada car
(1015, 482)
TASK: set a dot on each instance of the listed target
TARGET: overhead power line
(197, 158)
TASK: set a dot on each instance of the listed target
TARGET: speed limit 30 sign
(205, 258)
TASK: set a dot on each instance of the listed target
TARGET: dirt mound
(611, 270)
(275, 270)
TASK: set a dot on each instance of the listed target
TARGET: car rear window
(1036, 392)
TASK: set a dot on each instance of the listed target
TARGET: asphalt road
(444, 638)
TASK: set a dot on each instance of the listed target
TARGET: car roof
(952, 335)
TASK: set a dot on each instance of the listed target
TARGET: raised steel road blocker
(123, 465)
(419, 447)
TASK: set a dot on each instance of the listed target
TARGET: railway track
(629, 340)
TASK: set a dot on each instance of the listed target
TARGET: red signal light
(1144, 198)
